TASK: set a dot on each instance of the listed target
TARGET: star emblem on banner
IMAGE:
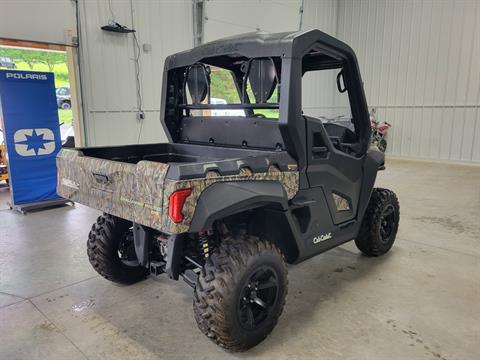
(35, 141)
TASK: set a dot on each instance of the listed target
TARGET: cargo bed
(134, 182)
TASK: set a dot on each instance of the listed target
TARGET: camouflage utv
(246, 183)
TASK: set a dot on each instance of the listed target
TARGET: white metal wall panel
(420, 65)
(319, 93)
(33, 20)
(108, 68)
(227, 18)
(230, 17)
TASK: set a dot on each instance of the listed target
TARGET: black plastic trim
(141, 238)
(228, 198)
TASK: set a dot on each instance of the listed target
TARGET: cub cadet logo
(26, 76)
(322, 237)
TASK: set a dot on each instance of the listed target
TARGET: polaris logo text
(26, 76)
(322, 237)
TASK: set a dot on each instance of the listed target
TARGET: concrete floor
(420, 301)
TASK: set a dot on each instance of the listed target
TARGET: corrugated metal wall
(51, 21)
(108, 69)
(226, 18)
(229, 17)
(420, 62)
(319, 93)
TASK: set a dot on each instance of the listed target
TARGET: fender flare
(223, 199)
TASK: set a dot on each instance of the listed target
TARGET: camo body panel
(133, 191)
(341, 203)
(140, 192)
(289, 180)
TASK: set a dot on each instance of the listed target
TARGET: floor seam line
(14, 303)
(60, 288)
(441, 248)
(5, 293)
(61, 332)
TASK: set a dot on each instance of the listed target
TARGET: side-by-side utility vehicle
(245, 184)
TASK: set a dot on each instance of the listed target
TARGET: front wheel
(382, 145)
(66, 106)
(240, 294)
(111, 250)
(380, 223)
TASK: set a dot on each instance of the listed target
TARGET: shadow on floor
(312, 284)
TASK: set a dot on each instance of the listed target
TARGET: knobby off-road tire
(380, 223)
(222, 297)
(103, 245)
(382, 145)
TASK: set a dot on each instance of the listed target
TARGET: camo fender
(289, 181)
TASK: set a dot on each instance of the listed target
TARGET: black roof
(259, 44)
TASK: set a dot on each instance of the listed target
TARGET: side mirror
(341, 83)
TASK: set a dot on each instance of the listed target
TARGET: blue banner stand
(29, 118)
(46, 204)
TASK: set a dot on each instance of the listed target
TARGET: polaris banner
(28, 110)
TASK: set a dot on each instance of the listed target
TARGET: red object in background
(383, 127)
(379, 132)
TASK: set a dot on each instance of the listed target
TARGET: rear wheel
(380, 223)
(111, 250)
(241, 292)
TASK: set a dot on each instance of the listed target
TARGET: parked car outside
(63, 98)
(6, 62)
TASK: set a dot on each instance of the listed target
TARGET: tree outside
(46, 61)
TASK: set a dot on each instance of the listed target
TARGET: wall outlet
(140, 115)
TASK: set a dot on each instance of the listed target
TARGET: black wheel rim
(126, 249)
(382, 146)
(387, 223)
(258, 297)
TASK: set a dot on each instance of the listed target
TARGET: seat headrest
(198, 81)
(263, 79)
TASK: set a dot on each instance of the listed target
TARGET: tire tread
(102, 246)
(368, 240)
(214, 288)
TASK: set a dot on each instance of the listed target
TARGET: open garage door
(42, 57)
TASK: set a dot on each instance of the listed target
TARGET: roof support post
(198, 7)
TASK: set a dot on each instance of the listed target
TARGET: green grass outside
(60, 71)
(61, 79)
(269, 113)
(65, 116)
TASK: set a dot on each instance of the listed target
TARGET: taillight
(175, 204)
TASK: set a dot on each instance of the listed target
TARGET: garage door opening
(16, 55)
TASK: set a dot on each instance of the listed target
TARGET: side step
(157, 267)
(190, 277)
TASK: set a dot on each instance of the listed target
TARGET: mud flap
(141, 239)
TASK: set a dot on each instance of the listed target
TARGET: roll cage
(292, 54)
